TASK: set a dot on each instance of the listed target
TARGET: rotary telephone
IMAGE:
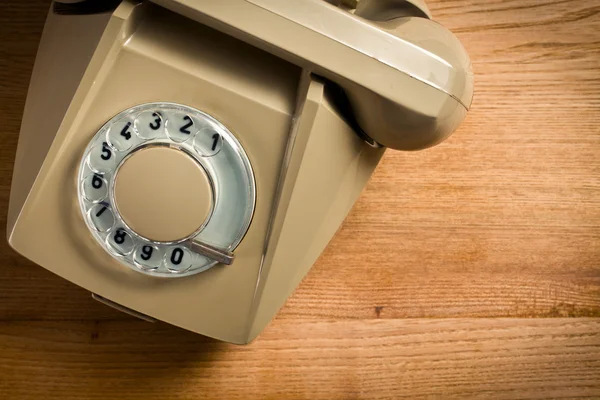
(189, 160)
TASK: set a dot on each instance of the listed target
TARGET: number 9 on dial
(147, 257)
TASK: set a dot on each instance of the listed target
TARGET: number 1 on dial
(99, 213)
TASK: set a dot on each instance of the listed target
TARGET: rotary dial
(166, 189)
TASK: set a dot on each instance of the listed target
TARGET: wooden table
(468, 270)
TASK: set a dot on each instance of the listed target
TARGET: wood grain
(501, 220)
(378, 359)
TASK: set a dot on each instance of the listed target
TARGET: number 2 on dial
(184, 129)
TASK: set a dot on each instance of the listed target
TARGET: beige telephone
(188, 160)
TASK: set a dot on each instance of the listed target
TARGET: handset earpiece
(429, 106)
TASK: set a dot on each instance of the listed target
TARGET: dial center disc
(162, 193)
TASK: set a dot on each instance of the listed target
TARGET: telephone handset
(219, 144)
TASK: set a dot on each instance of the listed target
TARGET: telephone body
(188, 161)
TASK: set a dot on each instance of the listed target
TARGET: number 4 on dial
(125, 131)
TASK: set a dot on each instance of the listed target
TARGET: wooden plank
(372, 359)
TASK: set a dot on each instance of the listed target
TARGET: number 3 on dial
(157, 121)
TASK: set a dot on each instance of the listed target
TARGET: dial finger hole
(121, 134)
(180, 127)
(101, 158)
(147, 257)
(208, 142)
(120, 241)
(149, 124)
(94, 188)
(178, 259)
(101, 217)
